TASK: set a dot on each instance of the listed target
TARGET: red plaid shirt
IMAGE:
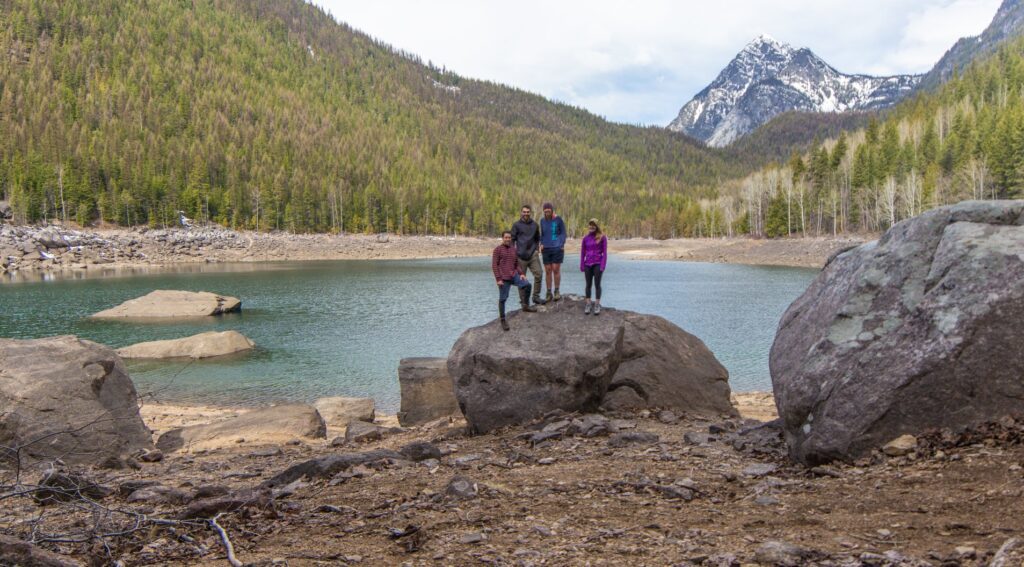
(504, 262)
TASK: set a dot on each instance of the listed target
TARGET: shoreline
(35, 253)
(161, 417)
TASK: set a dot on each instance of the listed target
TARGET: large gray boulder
(275, 425)
(426, 389)
(916, 331)
(203, 345)
(664, 366)
(67, 398)
(171, 304)
(557, 360)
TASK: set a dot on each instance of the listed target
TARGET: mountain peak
(766, 41)
(769, 77)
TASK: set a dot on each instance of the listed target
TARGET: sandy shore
(795, 252)
(162, 417)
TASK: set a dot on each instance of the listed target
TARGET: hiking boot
(557, 296)
(524, 301)
(538, 301)
(597, 309)
(550, 297)
(586, 309)
(504, 324)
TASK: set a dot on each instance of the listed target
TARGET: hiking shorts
(553, 255)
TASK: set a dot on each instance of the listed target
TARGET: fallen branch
(226, 541)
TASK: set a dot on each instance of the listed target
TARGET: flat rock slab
(203, 345)
(427, 391)
(265, 426)
(919, 330)
(559, 359)
(172, 304)
(67, 398)
(339, 411)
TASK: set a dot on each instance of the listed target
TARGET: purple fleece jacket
(594, 252)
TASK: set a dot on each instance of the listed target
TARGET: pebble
(900, 446)
(462, 488)
(627, 438)
(475, 537)
(758, 470)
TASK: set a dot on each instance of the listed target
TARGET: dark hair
(508, 232)
(527, 207)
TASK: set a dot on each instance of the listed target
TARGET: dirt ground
(705, 492)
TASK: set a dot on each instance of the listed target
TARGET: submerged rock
(919, 330)
(170, 304)
(67, 398)
(203, 345)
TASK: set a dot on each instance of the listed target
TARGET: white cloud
(640, 62)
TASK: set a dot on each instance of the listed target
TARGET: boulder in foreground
(560, 359)
(203, 345)
(664, 366)
(265, 426)
(427, 392)
(919, 330)
(67, 398)
(171, 304)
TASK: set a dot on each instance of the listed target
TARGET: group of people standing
(530, 243)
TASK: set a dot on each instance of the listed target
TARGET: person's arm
(494, 264)
(604, 252)
(561, 233)
(540, 230)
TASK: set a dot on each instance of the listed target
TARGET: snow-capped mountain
(768, 78)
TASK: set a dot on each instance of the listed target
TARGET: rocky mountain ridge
(768, 78)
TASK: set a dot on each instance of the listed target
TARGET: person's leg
(556, 272)
(538, 278)
(597, 289)
(502, 298)
(588, 275)
(549, 271)
(524, 293)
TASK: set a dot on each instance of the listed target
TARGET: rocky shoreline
(28, 250)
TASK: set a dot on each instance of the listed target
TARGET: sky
(639, 62)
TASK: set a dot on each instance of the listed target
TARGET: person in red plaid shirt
(505, 265)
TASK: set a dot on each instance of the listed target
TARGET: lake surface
(339, 328)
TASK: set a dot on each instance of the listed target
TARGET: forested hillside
(963, 141)
(271, 115)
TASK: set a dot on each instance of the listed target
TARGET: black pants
(593, 275)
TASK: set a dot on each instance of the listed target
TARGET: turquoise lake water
(340, 327)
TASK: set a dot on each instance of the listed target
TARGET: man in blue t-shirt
(552, 244)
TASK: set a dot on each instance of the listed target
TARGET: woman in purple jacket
(593, 258)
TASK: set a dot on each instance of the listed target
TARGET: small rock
(462, 488)
(542, 436)
(420, 451)
(716, 429)
(667, 417)
(1011, 553)
(338, 442)
(900, 446)
(546, 461)
(965, 552)
(765, 500)
(758, 470)
(154, 456)
(780, 553)
(694, 438)
(628, 438)
(884, 534)
(363, 432)
(475, 537)
(267, 452)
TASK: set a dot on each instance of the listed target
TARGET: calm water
(340, 328)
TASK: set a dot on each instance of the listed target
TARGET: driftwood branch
(228, 547)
